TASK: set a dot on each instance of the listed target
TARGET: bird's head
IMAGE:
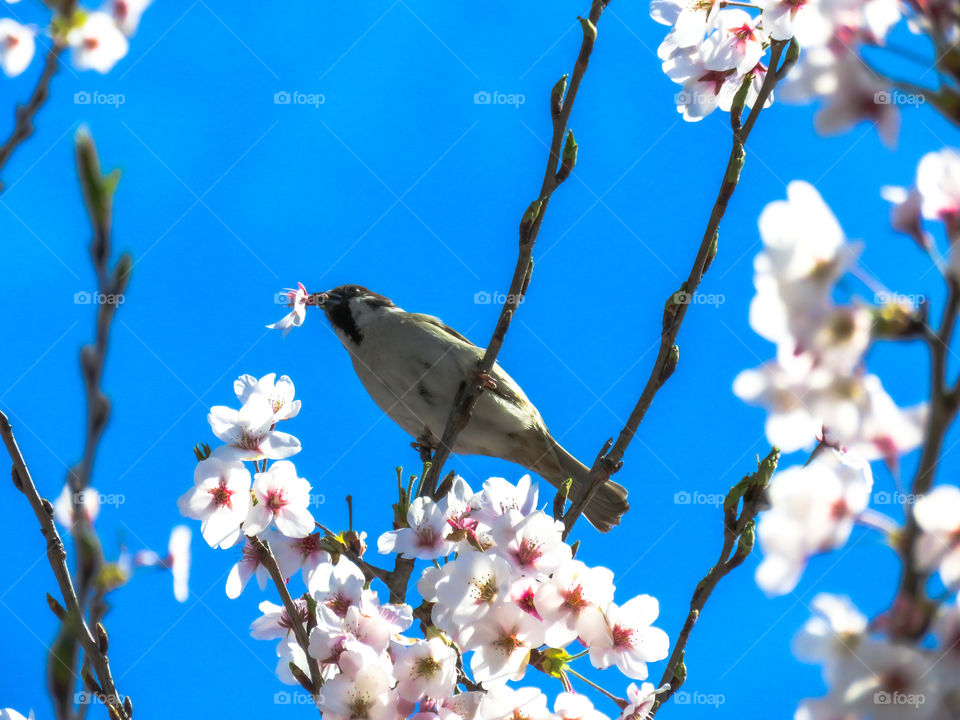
(348, 306)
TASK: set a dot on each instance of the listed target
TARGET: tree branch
(560, 163)
(57, 557)
(269, 561)
(738, 539)
(610, 458)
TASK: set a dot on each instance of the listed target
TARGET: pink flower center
(509, 642)
(339, 605)
(221, 494)
(622, 637)
(574, 600)
(10, 42)
(308, 545)
(525, 601)
(742, 33)
(90, 43)
(274, 500)
(715, 78)
(527, 553)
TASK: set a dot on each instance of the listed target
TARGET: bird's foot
(484, 380)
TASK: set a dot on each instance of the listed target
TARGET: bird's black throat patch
(339, 313)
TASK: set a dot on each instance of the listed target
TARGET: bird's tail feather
(609, 502)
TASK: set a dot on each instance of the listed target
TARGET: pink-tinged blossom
(126, 14)
(938, 515)
(428, 668)
(296, 298)
(88, 502)
(98, 44)
(282, 500)
(507, 703)
(220, 498)
(938, 182)
(566, 599)
(178, 560)
(574, 706)
(624, 636)
(302, 553)
(736, 45)
(363, 690)
(499, 496)
(905, 213)
(249, 432)
(860, 96)
(425, 536)
(803, 19)
(641, 700)
(275, 621)
(467, 590)
(813, 509)
(337, 587)
(533, 544)
(249, 565)
(691, 19)
(289, 651)
(501, 645)
(278, 392)
(17, 47)
(830, 638)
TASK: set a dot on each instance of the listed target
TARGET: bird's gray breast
(413, 368)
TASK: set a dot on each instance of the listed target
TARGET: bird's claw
(484, 380)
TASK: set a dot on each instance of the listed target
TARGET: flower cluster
(712, 53)
(817, 387)
(870, 676)
(503, 593)
(97, 39)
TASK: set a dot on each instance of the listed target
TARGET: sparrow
(412, 365)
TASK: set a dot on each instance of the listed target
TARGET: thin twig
(556, 171)
(738, 539)
(269, 561)
(57, 557)
(610, 458)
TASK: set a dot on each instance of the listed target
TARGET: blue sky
(399, 181)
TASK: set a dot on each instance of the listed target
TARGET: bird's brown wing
(506, 388)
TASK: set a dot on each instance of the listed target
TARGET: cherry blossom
(831, 636)
(501, 644)
(573, 706)
(624, 636)
(17, 47)
(88, 500)
(219, 498)
(736, 45)
(282, 498)
(812, 510)
(641, 700)
(426, 668)
(363, 690)
(691, 19)
(938, 183)
(533, 544)
(178, 560)
(297, 299)
(249, 432)
(250, 565)
(938, 515)
(98, 44)
(803, 19)
(278, 392)
(425, 536)
(525, 703)
(127, 13)
(275, 622)
(566, 599)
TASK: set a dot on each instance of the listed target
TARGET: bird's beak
(329, 299)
